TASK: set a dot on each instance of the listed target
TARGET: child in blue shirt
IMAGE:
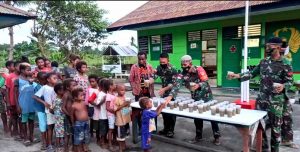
(148, 124)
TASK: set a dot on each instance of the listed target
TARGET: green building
(212, 32)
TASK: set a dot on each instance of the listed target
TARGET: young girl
(148, 124)
(123, 112)
(81, 78)
(24, 90)
(47, 91)
(59, 116)
(110, 102)
(91, 94)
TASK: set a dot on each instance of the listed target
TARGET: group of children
(73, 109)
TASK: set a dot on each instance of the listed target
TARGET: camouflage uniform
(270, 72)
(166, 75)
(287, 120)
(199, 76)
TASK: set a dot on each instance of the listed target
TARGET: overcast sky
(116, 10)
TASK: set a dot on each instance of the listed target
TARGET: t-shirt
(100, 112)
(57, 108)
(111, 98)
(26, 91)
(39, 107)
(148, 124)
(49, 95)
(69, 72)
(10, 84)
(123, 115)
(2, 81)
(82, 81)
(144, 76)
(37, 70)
(89, 92)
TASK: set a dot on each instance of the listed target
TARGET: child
(103, 121)
(47, 91)
(81, 78)
(59, 115)
(148, 124)
(122, 110)
(110, 102)
(24, 90)
(91, 95)
(40, 109)
(79, 117)
(69, 85)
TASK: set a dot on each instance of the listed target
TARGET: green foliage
(69, 24)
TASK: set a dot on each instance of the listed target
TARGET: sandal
(35, 140)
(27, 143)
(43, 147)
(18, 138)
(290, 144)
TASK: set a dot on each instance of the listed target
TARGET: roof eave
(255, 10)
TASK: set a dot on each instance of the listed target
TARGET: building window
(143, 43)
(209, 40)
(253, 30)
(167, 45)
(155, 39)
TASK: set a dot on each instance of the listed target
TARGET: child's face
(93, 83)
(83, 69)
(11, 68)
(52, 79)
(60, 92)
(47, 64)
(149, 104)
(80, 96)
(40, 64)
(72, 86)
(27, 72)
(121, 90)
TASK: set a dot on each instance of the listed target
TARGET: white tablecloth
(246, 118)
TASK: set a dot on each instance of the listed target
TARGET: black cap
(275, 40)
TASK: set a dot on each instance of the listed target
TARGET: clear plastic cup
(222, 111)
(229, 112)
(172, 105)
(180, 106)
(191, 107)
(238, 109)
(200, 108)
(195, 106)
(213, 110)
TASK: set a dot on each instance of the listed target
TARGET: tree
(10, 29)
(69, 24)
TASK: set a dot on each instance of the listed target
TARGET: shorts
(144, 142)
(50, 119)
(111, 122)
(81, 132)
(103, 127)
(2, 106)
(59, 127)
(26, 116)
(96, 125)
(42, 117)
(13, 111)
(121, 133)
(67, 126)
(90, 111)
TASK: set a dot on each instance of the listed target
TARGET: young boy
(148, 124)
(123, 112)
(59, 116)
(103, 121)
(91, 95)
(40, 109)
(24, 90)
(69, 85)
(47, 91)
(79, 118)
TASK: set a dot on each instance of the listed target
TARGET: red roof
(162, 10)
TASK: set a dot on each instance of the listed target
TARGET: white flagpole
(245, 85)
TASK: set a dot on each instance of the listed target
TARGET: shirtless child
(80, 118)
(69, 85)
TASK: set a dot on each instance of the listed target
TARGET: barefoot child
(59, 116)
(123, 112)
(24, 90)
(110, 102)
(148, 124)
(69, 85)
(40, 109)
(79, 117)
(47, 91)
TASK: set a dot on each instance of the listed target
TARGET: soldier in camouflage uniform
(272, 99)
(200, 91)
(166, 72)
